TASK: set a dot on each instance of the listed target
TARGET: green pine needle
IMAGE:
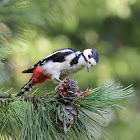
(19, 119)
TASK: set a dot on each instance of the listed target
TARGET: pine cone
(69, 116)
(68, 91)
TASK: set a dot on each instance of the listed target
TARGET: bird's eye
(89, 56)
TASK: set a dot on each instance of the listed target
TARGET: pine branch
(68, 114)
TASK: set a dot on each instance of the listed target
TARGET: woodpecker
(58, 65)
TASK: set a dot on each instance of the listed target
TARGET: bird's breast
(69, 71)
(62, 69)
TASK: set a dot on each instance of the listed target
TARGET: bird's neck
(82, 59)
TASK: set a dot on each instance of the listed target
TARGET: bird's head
(91, 57)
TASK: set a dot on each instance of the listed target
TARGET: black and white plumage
(59, 65)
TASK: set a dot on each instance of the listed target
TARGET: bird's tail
(25, 89)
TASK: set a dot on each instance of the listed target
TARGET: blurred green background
(32, 29)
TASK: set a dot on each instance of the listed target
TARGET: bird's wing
(57, 56)
(67, 49)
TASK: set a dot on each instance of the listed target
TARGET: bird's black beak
(88, 66)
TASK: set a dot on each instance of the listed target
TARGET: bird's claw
(56, 88)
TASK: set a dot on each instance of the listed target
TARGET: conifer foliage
(68, 113)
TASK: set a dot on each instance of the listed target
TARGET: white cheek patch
(93, 62)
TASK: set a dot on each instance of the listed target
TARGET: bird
(59, 65)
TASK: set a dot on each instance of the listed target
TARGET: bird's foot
(56, 88)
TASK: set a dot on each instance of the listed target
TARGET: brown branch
(5, 97)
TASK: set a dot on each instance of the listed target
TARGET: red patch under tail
(38, 76)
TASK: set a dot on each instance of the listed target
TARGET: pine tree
(69, 113)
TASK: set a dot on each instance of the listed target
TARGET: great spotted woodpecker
(58, 66)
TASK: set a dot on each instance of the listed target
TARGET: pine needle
(19, 119)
